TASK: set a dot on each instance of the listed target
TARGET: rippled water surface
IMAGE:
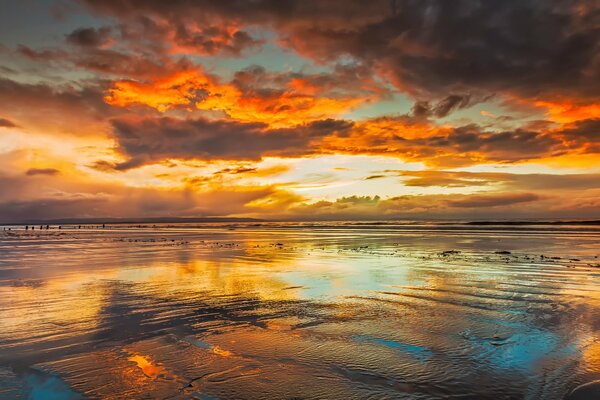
(299, 312)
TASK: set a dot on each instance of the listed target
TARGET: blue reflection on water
(420, 353)
(519, 351)
(41, 386)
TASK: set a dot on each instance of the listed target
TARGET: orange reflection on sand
(221, 352)
(150, 370)
(591, 356)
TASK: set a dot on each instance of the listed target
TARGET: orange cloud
(572, 144)
(179, 89)
(298, 103)
(569, 111)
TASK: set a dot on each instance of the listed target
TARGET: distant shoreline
(175, 220)
(572, 222)
(115, 221)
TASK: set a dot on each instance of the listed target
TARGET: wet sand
(287, 311)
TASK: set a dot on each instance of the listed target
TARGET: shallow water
(284, 311)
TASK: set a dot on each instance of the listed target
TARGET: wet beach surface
(284, 311)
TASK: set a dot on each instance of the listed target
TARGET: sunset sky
(282, 109)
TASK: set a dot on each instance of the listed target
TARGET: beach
(299, 311)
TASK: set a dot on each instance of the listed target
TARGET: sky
(300, 110)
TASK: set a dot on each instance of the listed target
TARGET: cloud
(584, 133)
(253, 96)
(496, 205)
(52, 109)
(90, 37)
(107, 55)
(424, 109)
(501, 146)
(505, 205)
(147, 140)
(429, 49)
(494, 200)
(41, 56)
(161, 35)
(5, 123)
(499, 180)
(210, 40)
(371, 177)
(42, 171)
(565, 110)
(60, 197)
(119, 63)
(26, 210)
(103, 166)
(343, 80)
(449, 178)
(179, 33)
(132, 107)
(82, 110)
(417, 140)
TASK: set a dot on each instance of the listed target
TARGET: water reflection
(151, 370)
(285, 312)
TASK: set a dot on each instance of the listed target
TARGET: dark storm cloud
(429, 48)
(148, 140)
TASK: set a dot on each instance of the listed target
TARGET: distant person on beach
(26, 227)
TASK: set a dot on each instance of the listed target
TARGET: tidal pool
(299, 311)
